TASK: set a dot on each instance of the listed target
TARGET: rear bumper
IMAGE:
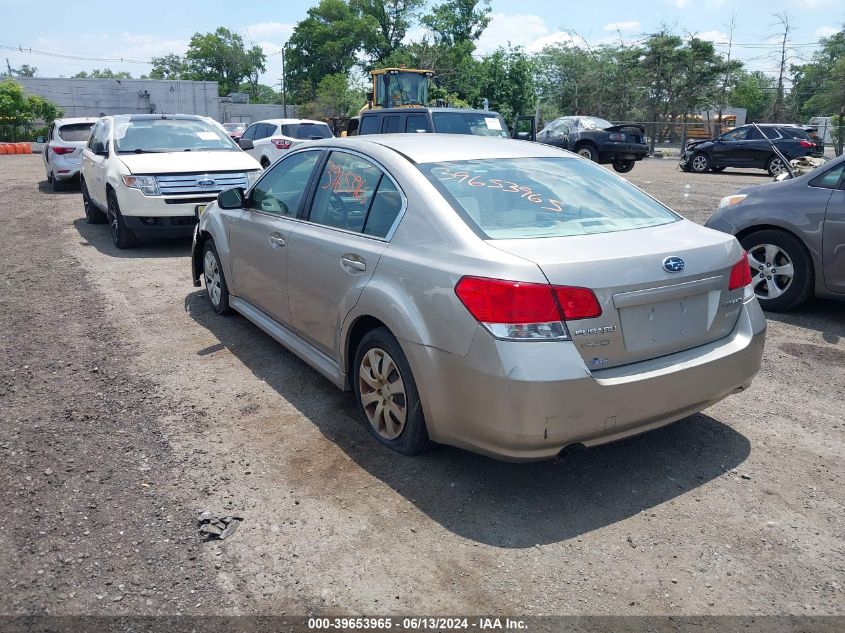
(622, 151)
(525, 401)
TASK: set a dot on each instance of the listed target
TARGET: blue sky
(103, 30)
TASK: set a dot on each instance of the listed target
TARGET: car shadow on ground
(498, 503)
(69, 188)
(99, 237)
(823, 315)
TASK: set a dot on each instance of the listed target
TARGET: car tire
(588, 151)
(121, 235)
(49, 177)
(624, 166)
(57, 183)
(92, 214)
(699, 163)
(717, 170)
(771, 250)
(775, 166)
(215, 281)
(381, 374)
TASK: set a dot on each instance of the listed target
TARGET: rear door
(259, 233)
(94, 159)
(333, 252)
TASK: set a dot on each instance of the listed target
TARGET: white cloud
(632, 25)
(713, 36)
(277, 31)
(518, 30)
(826, 31)
(552, 39)
(680, 3)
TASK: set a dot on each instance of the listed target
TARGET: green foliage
(507, 81)
(18, 110)
(261, 93)
(324, 43)
(819, 86)
(170, 66)
(221, 56)
(105, 73)
(334, 98)
(458, 21)
(387, 22)
(754, 91)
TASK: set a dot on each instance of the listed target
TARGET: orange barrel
(19, 148)
(27, 148)
(2, 148)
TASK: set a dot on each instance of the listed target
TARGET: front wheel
(215, 282)
(387, 396)
(623, 166)
(699, 163)
(589, 152)
(121, 235)
(781, 269)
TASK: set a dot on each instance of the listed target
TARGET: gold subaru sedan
(505, 297)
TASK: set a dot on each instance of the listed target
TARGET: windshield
(543, 197)
(170, 135)
(398, 88)
(75, 131)
(592, 123)
(476, 123)
(307, 131)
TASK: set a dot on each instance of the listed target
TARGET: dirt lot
(128, 406)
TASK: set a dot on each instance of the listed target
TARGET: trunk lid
(646, 311)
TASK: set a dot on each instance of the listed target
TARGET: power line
(127, 60)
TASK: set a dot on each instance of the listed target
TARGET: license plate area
(665, 323)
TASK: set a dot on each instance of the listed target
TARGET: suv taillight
(740, 274)
(804, 143)
(525, 311)
(280, 143)
(63, 150)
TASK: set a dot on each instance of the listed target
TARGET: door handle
(276, 240)
(355, 264)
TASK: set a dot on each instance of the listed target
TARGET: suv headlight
(147, 184)
(729, 201)
(252, 177)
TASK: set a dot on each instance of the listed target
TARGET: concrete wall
(251, 112)
(94, 97)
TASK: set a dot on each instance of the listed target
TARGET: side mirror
(246, 143)
(523, 136)
(231, 198)
(39, 139)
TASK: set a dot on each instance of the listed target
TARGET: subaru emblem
(673, 264)
(206, 182)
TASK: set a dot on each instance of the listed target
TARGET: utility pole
(284, 84)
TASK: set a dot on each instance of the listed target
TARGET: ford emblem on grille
(673, 264)
(206, 182)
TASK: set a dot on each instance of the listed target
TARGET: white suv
(62, 153)
(269, 140)
(151, 175)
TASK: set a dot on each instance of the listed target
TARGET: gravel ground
(128, 407)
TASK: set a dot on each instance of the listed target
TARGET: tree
(105, 73)
(753, 91)
(778, 112)
(335, 98)
(170, 66)
(260, 93)
(507, 81)
(220, 56)
(19, 110)
(458, 21)
(324, 43)
(389, 21)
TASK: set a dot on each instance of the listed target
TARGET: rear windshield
(543, 197)
(307, 131)
(170, 135)
(75, 131)
(476, 123)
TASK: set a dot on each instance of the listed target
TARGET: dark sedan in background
(598, 140)
(747, 146)
(794, 232)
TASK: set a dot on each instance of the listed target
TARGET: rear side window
(75, 132)
(307, 131)
(417, 123)
(771, 133)
(250, 132)
(369, 125)
(355, 195)
(543, 197)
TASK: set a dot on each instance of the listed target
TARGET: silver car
(794, 232)
(501, 296)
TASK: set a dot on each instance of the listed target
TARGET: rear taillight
(280, 143)
(525, 311)
(804, 143)
(616, 136)
(740, 274)
(63, 150)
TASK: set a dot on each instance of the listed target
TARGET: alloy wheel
(699, 163)
(383, 393)
(212, 278)
(776, 167)
(772, 270)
